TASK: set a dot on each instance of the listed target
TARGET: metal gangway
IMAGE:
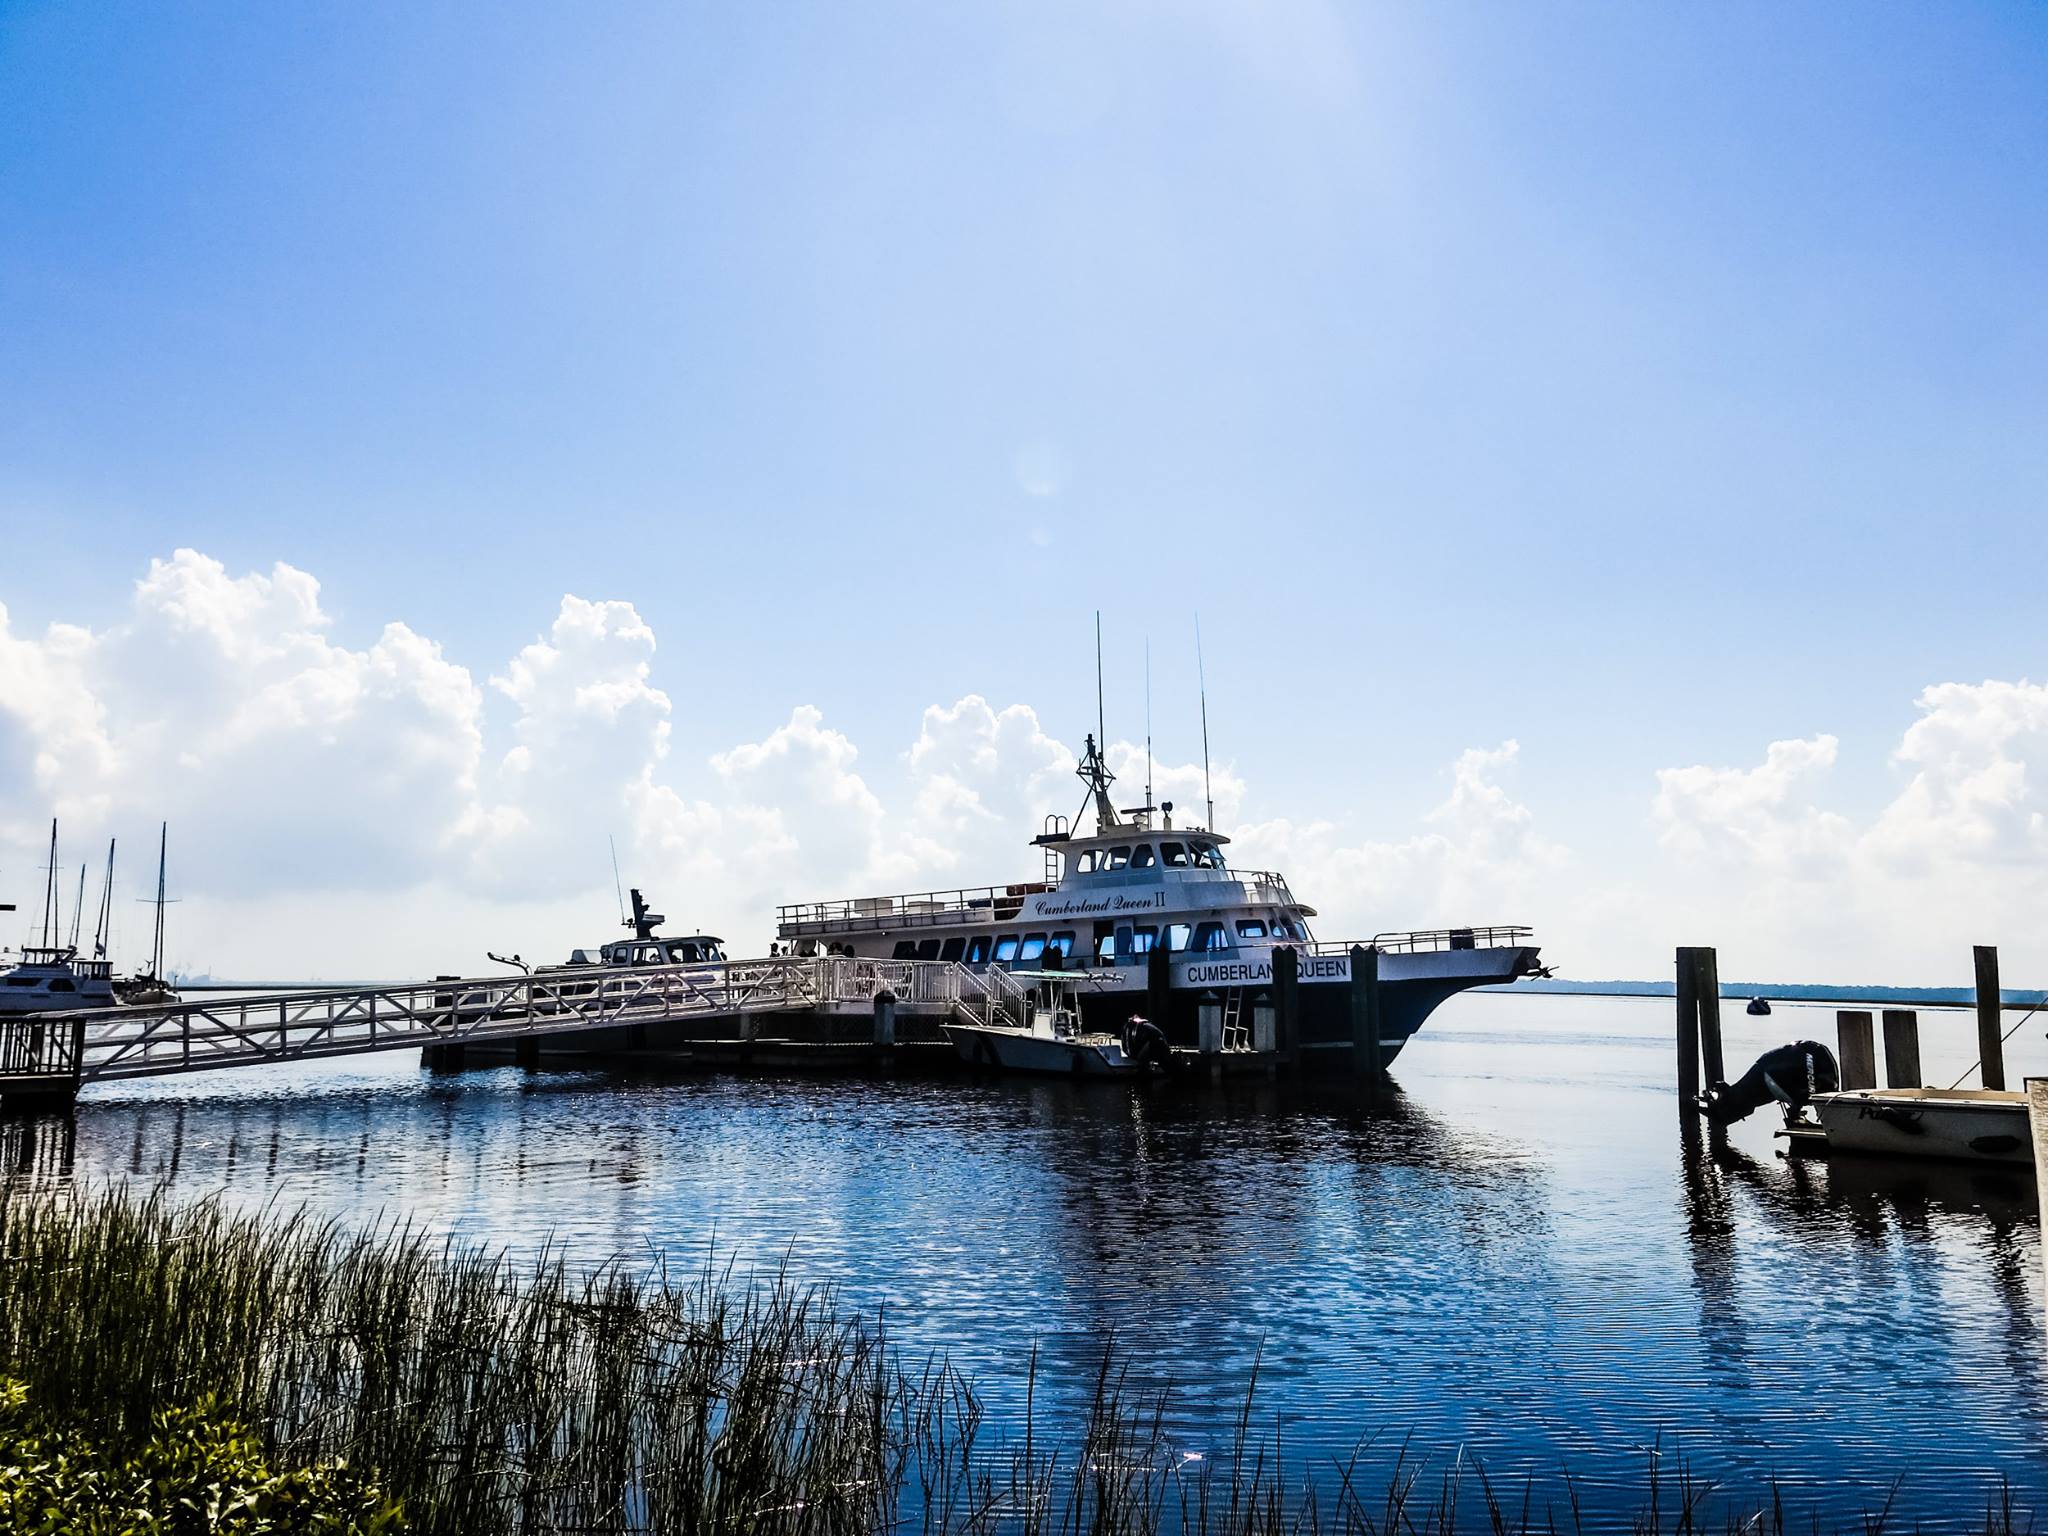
(57, 1053)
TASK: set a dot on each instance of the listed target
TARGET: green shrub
(198, 1473)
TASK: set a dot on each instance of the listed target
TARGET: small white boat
(1051, 1039)
(1983, 1125)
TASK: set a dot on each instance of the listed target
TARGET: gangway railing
(109, 1044)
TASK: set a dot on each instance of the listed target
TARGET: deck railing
(1423, 940)
(996, 903)
(984, 903)
(108, 1043)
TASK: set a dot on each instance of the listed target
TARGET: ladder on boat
(1237, 1035)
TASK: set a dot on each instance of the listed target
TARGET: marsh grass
(493, 1395)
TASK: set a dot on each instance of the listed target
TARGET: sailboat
(148, 989)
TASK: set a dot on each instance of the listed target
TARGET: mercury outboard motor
(1145, 1044)
(1791, 1074)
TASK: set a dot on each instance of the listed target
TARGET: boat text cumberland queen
(1140, 885)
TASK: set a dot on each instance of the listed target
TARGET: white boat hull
(1025, 1050)
(1969, 1124)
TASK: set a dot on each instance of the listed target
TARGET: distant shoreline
(1783, 992)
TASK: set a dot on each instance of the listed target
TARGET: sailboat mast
(78, 908)
(156, 954)
(103, 930)
(50, 892)
(1202, 677)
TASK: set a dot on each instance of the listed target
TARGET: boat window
(1251, 928)
(1174, 854)
(1210, 936)
(1034, 946)
(21, 981)
(1143, 938)
(906, 949)
(1085, 863)
(1105, 946)
(1282, 929)
(62, 984)
(928, 949)
(1006, 949)
(1063, 942)
(1144, 858)
(977, 950)
(1177, 935)
(952, 949)
(1116, 858)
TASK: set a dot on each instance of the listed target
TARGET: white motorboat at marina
(1966, 1124)
(1051, 1037)
(52, 975)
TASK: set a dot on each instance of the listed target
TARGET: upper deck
(1001, 903)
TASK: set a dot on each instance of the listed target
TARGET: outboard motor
(1145, 1044)
(1791, 1074)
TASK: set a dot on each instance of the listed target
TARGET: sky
(1603, 447)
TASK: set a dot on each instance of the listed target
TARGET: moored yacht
(51, 975)
(1138, 885)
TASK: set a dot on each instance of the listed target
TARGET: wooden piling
(1990, 1035)
(1707, 981)
(2037, 1118)
(1159, 987)
(1688, 1035)
(1287, 1002)
(1901, 1048)
(885, 1019)
(1855, 1047)
(526, 1052)
(1365, 1017)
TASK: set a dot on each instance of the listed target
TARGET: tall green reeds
(496, 1396)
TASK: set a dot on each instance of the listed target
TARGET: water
(1517, 1260)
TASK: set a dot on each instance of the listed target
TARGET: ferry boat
(1137, 885)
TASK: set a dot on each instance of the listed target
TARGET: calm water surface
(1517, 1260)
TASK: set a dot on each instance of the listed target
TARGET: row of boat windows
(1126, 939)
(1145, 856)
(55, 984)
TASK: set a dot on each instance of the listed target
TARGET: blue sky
(1641, 384)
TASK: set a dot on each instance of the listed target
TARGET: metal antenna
(617, 884)
(1202, 677)
(1101, 733)
(1148, 723)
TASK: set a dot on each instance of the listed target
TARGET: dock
(575, 1011)
(783, 1013)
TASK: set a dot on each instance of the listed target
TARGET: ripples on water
(1517, 1258)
